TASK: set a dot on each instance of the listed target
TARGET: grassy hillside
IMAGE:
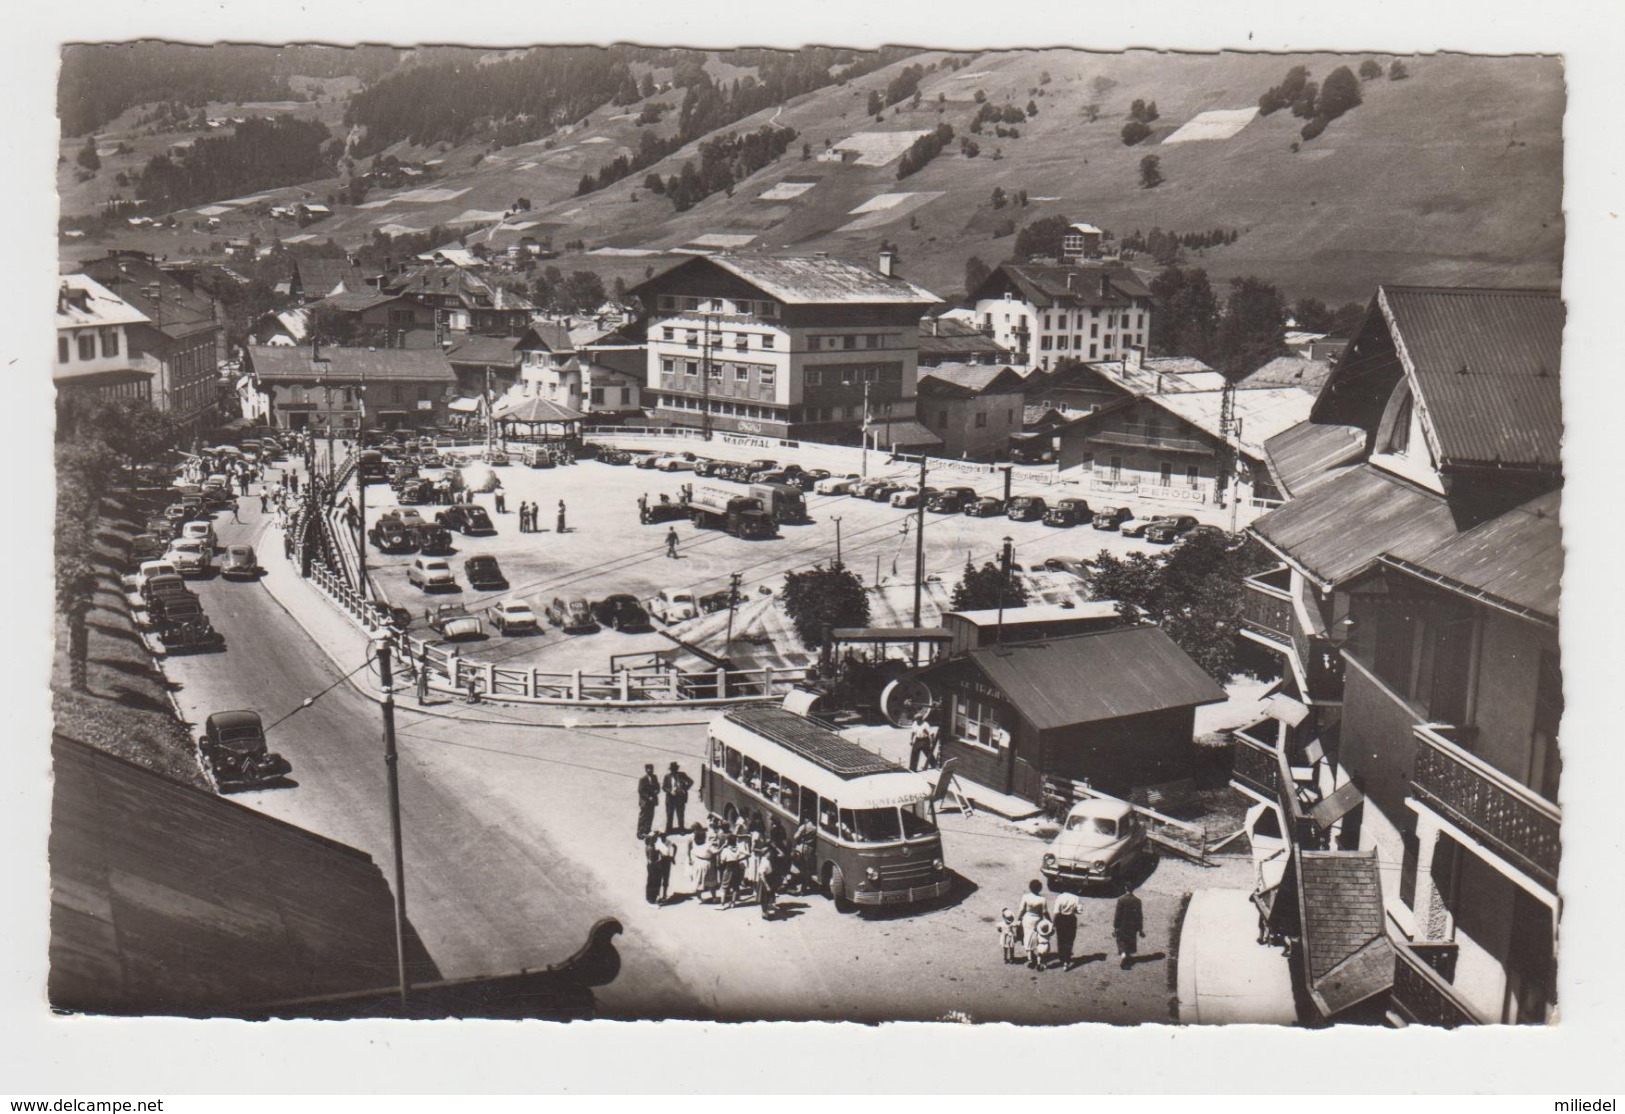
(1453, 175)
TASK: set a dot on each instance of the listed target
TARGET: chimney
(315, 348)
(888, 262)
(1071, 277)
(63, 297)
(1105, 286)
(1136, 359)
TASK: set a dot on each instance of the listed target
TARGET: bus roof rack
(841, 757)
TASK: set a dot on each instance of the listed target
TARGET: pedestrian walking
(1032, 910)
(1066, 928)
(648, 797)
(423, 680)
(1128, 925)
(702, 864)
(643, 509)
(919, 743)
(265, 502)
(1007, 935)
(561, 516)
(1042, 944)
(657, 869)
(766, 881)
(501, 501)
(676, 786)
(671, 543)
(234, 516)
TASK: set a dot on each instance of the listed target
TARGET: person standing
(767, 881)
(702, 864)
(265, 501)
(1041, 944)
(648, 797)
(676, 787)
(656, 867)
(643, 509)
(561, 516)
(501, 501)
(1128, 925)
(1066, 928)
(671, 542)
(1032, 910)
(804, 855)
(919, 743)
(1007, 935)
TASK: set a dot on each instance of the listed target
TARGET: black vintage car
(466, 518)
(615, 456)
(1067, 512)
(987, 506)
(622, 613)
(1026, 508)
(664, 512)
(392, 537)
(433, 539)
(1111, 518)
(233, 750)
(484, 574)
(1165, 531)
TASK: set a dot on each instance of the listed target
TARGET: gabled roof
(167, 899)
(1289, 371)
(546, 336)
(355, 301)
(1346, 954)
(1086, 678)
(1262, 413)
(1311, 451)
(534, 410)
(969, 380)
(89, 303)
(946, 337)
(176, 310)
(321, 277)
(493, 351)
(1056, 284)
(810, 280)
(274, 363)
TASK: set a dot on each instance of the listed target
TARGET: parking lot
(605, 550)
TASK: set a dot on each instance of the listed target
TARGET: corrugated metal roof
(282, 363)
(1340, 527)
(1086, 678)
(1515, 559)
(818, 280)
(1311, 451)
(1486, 364)
(1347, 956)
(812, 741)
(167, 899)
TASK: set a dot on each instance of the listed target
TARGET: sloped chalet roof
(1347, 956)
(546, 336)
(809, 280)
(1310, 452)
(968, 380)
(1081, 285)
(321, 277)
(1289, 371)
(484, 350)
(89, 303)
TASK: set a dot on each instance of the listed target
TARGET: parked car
(484, 574)
(415, 492)
(878, 490)
(985, 506)
(430, 573)
(161, 583)
(240, 563)
(466, 518)
(190, 557)
(674, 464)
(233, 749)
(909, 497)
(202, 532)
(1229, 540)
(453, 622)
(713, 602)
(1067, 512)
(390, 615)
(147, 570)
(409, 517)
(496, 457)
(673, 605)
(514, 617)
(616, 456)
(1068, 565)
(1166, 531)
(664, 512)
(837, 485)
(645, 459)
(1101, 841)
(1135, 527)
(621, 612)
(572, 616)
(433, 539)
(1111, 518)
(392, 537)
(1025, 508)
(146, 547)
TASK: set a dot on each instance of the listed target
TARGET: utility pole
(837, 519)
(391, 764)
(1004, 588)
(865, 432)
(490, 421)
(360, 530)
(919, 554)
(733, 603)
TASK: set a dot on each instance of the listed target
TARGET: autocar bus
(877, 830)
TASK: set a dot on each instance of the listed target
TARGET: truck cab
(781, 500)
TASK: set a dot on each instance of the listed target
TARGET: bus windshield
(888, 825)
(919, 819)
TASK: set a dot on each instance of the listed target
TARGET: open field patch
(878, 148)
(1218, 123)
(722, 240)
(475, 216)
(785, 191)
(889, 207)
(431, 195)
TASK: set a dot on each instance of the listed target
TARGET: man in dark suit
(676, 786)
(1128, 924)
(648, 797)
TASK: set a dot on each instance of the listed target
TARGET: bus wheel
(835, 887)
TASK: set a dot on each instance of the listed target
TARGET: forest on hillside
(262, 154)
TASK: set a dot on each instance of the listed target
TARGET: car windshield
(919, 819)
(681, 597)
(1103, 828)
(871, 825)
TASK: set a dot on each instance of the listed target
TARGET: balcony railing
(1423, 995)
(1511, 819)
(1254, 764)
(1138, 439)
(1266, 608)
(1267, 611)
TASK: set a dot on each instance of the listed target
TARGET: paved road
(519, 836)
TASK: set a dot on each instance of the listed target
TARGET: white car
(674, 464)
(200, 532)
(837, 485)
(1101, 840)
(1135, 527)
(150, 569)
(510, 616)
(190, 557)
(909, 497)
(673, 605)
(429, 573)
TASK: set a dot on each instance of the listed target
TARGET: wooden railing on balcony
(1423, 996)
(1266, 609)
(1254, 764)
(1511, 819)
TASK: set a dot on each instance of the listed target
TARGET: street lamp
(837, 520)
(381, 645)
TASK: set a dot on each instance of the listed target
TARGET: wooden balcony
(1255, 763)
(1508, 817)
(1266, 605)
(1267, 613)
(1422, 994)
